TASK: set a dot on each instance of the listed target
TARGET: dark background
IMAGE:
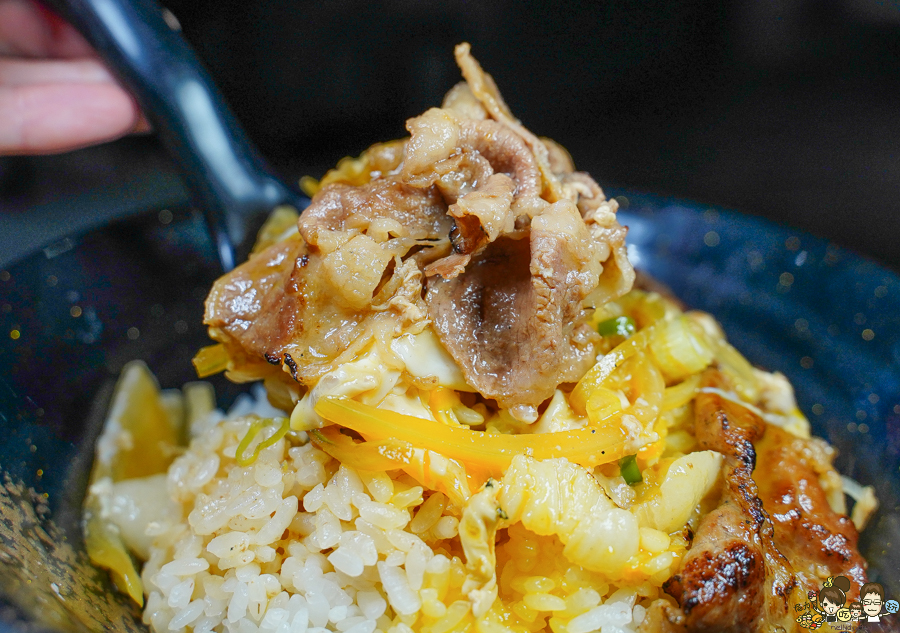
(781, 108)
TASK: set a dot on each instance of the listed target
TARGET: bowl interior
(72, 314)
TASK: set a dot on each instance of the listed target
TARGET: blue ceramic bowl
(74, 313)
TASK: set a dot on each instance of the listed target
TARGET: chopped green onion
(630, 471)
(617, 326)
(318, 435)
(255, 427)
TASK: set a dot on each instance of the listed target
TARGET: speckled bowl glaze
(74, 313)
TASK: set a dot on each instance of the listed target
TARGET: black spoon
(228, 178)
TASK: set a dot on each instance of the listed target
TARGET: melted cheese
(376, 378)
(424, 356)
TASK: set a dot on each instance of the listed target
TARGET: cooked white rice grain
(297, 543)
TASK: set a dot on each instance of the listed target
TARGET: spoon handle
(227, 176)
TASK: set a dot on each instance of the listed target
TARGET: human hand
(55, 95)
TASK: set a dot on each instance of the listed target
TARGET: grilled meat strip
(749, 563)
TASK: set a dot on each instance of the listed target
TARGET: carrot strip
(484, 452)
(430, 469)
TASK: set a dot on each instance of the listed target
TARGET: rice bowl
(338, 510)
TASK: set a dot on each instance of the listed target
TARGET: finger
(57, 118)
(22, 30)
(64, 40)
(29, 29)
(22, 72)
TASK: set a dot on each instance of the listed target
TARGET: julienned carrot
(487, 452)
(427, 467)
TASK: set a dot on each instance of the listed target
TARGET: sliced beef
(459, 155)
(485, 90)
(588, 193)
(277, 307)
(513, 320)
(421, 212)
(529, 256)
(483, 215)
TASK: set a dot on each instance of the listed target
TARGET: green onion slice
(617, 326)
(630, 471)
(255, 427)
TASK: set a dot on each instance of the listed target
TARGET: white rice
(297, 543)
